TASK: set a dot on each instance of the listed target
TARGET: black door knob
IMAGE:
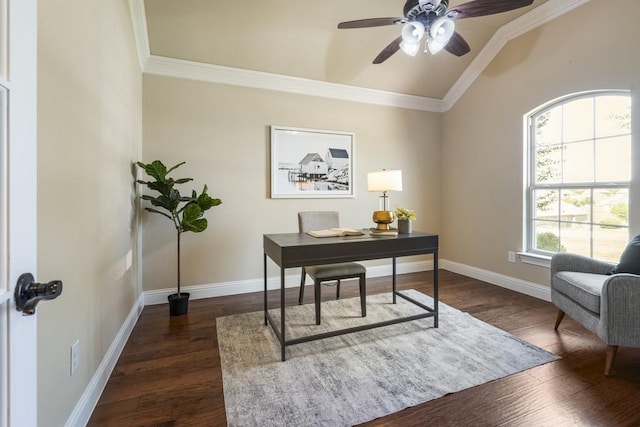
(28, 293)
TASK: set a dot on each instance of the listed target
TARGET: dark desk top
(300, 249)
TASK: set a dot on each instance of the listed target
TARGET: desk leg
(393, 279)
(265, 289)
(435, 289)
(282, 332)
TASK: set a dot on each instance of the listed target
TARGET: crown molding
(171, 67)
(140, 30)
(179, 68)
(521, 25)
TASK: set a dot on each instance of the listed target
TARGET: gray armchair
(604, 303)
(324, 220)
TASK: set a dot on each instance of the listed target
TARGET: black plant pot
(178, 303)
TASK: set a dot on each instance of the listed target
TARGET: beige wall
(483, 134)
(89, 133)
(222, 132)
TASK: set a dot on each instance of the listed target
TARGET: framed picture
(308, 163)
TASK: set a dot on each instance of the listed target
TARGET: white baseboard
(293, 280)
(518, 285)
(256, 285)
(89, 399)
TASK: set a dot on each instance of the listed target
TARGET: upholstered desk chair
(606, 304)
(324, 220)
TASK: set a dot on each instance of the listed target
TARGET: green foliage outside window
(621, 210)
(549, 242)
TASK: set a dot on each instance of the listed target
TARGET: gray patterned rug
(353, 378)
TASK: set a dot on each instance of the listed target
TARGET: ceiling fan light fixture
(431, 22)
(410, 49)
(412, 32)
(435, 46)
(442, 29)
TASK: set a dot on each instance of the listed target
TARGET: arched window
(579, 171)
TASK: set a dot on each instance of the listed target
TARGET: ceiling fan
(433, 21)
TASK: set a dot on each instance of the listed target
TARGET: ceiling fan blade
(457, 45)
(485, 7)
(386, 53)
(371, 22)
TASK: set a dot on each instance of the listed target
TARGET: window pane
(548, 127)
(546, 204)
(611, 207)
(575, 206)
(576, 238)
(609, 152)
(547, 236)
(578, 120)
(577, 162)
(613, 116)
(609, 242)
(548, 164)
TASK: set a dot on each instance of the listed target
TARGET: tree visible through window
(579, 174)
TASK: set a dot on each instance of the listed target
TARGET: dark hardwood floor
(169, 372)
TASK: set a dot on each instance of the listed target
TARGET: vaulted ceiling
(300, 39)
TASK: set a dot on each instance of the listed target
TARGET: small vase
(404, 226)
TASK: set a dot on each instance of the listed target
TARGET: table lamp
(384, 181)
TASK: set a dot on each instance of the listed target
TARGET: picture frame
(311, 163)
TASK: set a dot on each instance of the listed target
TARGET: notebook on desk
(336, 232)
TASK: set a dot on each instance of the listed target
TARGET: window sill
(535, 259)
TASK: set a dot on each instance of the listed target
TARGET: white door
(18, 49)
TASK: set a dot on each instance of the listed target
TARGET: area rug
(357, 377)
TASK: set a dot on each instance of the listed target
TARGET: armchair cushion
(565, 261)
(583, 288)
(630, 258)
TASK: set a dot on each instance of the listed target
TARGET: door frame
(19, 216)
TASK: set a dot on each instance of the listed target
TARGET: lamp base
(383, 219)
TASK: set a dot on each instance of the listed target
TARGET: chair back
(317, 220)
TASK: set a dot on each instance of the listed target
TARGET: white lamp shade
(410, 49)
(385, 181)
(435, 46)
(412, 32)
(442, 30)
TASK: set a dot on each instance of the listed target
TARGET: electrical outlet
(75, 356)
(511, 256)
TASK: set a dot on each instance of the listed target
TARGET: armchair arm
(563, 261)
(620, 310)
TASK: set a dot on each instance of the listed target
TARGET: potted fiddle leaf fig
(186, 213)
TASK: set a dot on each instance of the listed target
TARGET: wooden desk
(298, 249)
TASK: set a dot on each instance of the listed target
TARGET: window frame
(533, 255)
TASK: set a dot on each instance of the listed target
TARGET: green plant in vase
(186, 213)
(405, 217)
